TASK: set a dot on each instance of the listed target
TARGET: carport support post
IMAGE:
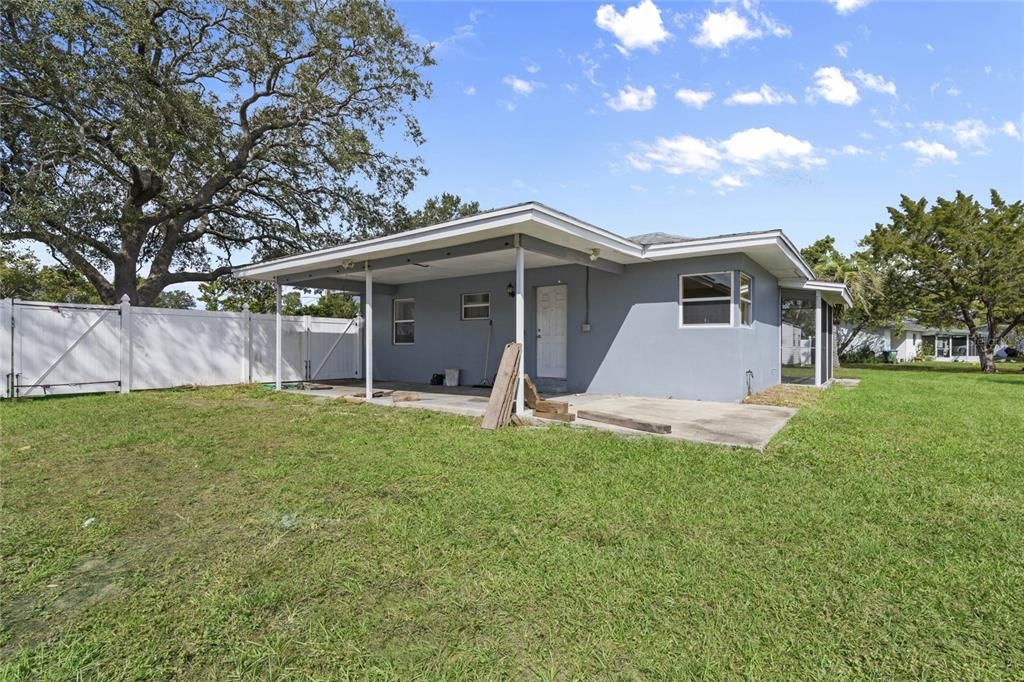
(520, 325)
(368, 304)
(126, 345)
(277, 335)
(818, 335)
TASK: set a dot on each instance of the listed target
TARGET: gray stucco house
(652, 315)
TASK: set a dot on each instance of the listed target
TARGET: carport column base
(520, 325)
(368, 316)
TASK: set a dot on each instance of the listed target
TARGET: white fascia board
(425, 237)
(600, 237)
(833, 292)
(730, 244)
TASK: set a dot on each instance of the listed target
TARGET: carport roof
(565, 239)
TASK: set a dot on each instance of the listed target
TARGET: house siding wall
(636, 345)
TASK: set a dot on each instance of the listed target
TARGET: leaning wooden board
(530, 395)
(625, 422)
(499, 405)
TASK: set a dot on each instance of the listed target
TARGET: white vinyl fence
(58, 348)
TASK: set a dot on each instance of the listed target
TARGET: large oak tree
(961, 263)
(150, 139)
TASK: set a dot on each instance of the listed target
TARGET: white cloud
(461, 34)
(970, 132)
(853, 150)
(633, 99)
(469, 91)
(833, 87)
(589, 68)
(929, 47)
(930, 151)
(637, 28)
(519, 85)
(532, 68)
(747, 153)
(760, 146)
(729, 182)
(875, 82)
(847, 6)
(677, 155)
(773, 27)
(694, 98)
(721, 28)
(842, 49)
(953, 91)
(765, 95)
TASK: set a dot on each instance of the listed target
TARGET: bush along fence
(59, 348)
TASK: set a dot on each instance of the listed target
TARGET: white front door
(551, 331)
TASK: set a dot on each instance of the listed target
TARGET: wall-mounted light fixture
(510, 289)
(595, 254)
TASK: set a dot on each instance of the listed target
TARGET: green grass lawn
(238, 533)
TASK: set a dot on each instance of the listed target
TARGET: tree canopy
(959, 262)
(159, 138)
(875, 302)
(228, 293)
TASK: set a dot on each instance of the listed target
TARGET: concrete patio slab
(738, 424)
(733, 424)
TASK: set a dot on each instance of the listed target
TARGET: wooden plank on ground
(499, 405)
(555, 416)
(555, 406)
(625, 422)
(530, 395)
(377, 393)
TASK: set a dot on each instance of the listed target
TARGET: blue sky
(709, 118)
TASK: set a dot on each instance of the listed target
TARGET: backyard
(236, 532)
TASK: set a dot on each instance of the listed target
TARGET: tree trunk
(835, 345)
(985, 354)
(125, 282)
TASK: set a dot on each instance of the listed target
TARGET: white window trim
(395, 321)
(750, 297)
(729, 298)
(464, 305)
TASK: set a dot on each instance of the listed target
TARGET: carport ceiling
(477, 264)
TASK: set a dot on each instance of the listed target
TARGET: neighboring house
(653, 315)
(931, 343)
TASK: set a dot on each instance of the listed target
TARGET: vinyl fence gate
(61, 348)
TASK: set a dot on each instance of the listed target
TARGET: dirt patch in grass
(785, 395)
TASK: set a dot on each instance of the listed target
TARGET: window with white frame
(706, 299)
(476, 306)
(746, 299)
(405, 321)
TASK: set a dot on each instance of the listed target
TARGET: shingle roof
(651, 238)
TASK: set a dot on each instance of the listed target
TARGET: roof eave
(420, 238)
